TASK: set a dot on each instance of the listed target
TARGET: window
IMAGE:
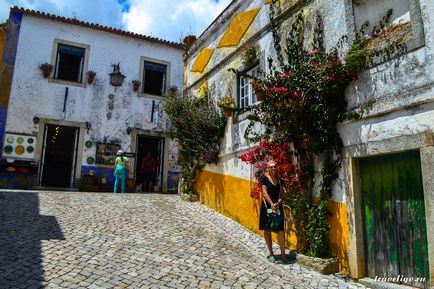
(69, 62)
(405, 20)
(154, 78)
(246, 94)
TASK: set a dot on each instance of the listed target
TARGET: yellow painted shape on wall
(202, 60)
(268, 1)
(231, 197)
(338, 234)
(238, 26)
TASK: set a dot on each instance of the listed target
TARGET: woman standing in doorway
(271, 188)
(120, 171)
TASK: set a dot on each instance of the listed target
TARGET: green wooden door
(394, 217)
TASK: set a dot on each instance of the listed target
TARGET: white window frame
(144, 59)
(84, 63)
(246, 93)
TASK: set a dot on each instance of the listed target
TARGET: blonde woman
(271, 188)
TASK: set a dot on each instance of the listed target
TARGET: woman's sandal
(271, 258)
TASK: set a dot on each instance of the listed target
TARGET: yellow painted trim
(238, 26)
(230, 196)
(202, 60)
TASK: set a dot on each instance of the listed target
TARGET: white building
(62, 128)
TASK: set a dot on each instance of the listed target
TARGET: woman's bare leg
(281, 239)
(267, 237)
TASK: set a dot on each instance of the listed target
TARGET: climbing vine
(304, 103)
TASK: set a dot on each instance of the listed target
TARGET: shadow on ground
(22, 229)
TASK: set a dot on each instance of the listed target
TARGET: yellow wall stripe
(230, 196)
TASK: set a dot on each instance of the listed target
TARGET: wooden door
(394, 218)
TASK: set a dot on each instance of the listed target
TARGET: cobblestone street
(99, 240)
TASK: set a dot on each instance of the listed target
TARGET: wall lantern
(36, 120)
(116, 77)
(129, 130)
(88, 126)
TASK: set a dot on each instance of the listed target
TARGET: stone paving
(101, 240)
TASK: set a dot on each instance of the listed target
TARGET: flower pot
(260, 95)
(136, 86)
(227, 112)
(90, 79)
(46, 74)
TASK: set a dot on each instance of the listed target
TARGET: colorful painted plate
(30, 149)
(19, 150)
(10, 139)
(20, 139)
(11, 169)
(90, 160)
(30, 140)
(8, 149)
(88, 144)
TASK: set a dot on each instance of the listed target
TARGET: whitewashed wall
(395, 85)
(32, 95)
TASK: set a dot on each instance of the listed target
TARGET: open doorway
(59, 153)
(149, 164)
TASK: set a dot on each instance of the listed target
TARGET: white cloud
(166, 19)
(170, 19)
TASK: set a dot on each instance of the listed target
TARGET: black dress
(274, 192)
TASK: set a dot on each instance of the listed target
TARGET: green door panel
(394, 216)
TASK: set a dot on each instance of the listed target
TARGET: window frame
(256, 68)
(84, 68)
(144, 59)
(418, 39)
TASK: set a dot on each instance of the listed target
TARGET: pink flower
(286, 74)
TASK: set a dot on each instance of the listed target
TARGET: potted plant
(188, 41)
(259, 90)
(136, 84)
(90, 76)
(46, 69)
(173, 90)
(250, 56)
(226, 103)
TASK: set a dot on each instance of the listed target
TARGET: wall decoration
(19, 146)
(106, 153)
(88, 144)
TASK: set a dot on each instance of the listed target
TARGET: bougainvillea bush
(304, 103)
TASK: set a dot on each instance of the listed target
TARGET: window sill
(66, 82)
(151, 96)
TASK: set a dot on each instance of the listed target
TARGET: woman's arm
(266, 196)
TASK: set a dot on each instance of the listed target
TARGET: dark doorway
(59, 156)
(154, 146)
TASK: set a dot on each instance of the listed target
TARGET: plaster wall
(401, 89)
(110, 111)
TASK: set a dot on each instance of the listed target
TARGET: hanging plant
(46, 69)
(250, 56)
(259, 90)
(136, 84)
(226, 103)
(90, 76)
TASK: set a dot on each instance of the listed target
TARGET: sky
(166, 19)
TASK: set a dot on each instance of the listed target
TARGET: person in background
(271, 194)
(120, 171)
(149, 168)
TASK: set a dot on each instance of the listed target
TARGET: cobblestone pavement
(101, 240)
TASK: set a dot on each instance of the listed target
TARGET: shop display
(18, 146)
(106, 153)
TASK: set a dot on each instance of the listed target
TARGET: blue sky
(167, 19)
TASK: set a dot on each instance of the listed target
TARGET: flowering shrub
(198, 127)
(305, 101)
